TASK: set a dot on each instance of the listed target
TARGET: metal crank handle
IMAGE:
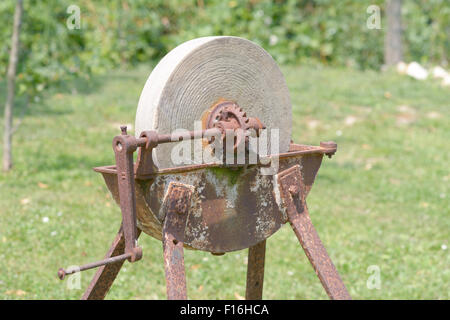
(132, 256)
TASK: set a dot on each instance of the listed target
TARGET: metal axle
(62, 272)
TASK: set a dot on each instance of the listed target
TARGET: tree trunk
(393, 52)
(11, 79)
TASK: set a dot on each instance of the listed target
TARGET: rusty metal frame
(292, 190)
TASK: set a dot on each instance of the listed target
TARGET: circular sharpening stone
(197, 74)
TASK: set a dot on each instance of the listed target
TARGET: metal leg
(318, 256)
(176, 205)
(293, 194)
(174, 268)
(255, 271)
(105, 275)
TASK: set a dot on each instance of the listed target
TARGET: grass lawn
(383, 199)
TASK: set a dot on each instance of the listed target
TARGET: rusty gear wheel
(228, 115)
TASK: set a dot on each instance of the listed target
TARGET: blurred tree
(120, 33)
(11, 83)
(393, 50)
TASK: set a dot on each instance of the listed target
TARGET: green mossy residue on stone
(228, 174)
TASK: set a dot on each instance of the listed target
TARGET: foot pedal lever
(137, 255)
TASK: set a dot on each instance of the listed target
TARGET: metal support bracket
(124, 147)
(176, 205)
(293, 197)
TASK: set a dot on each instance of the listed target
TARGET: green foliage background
(117, 33)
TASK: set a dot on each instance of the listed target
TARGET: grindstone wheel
(201, 72)
(223, 85)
